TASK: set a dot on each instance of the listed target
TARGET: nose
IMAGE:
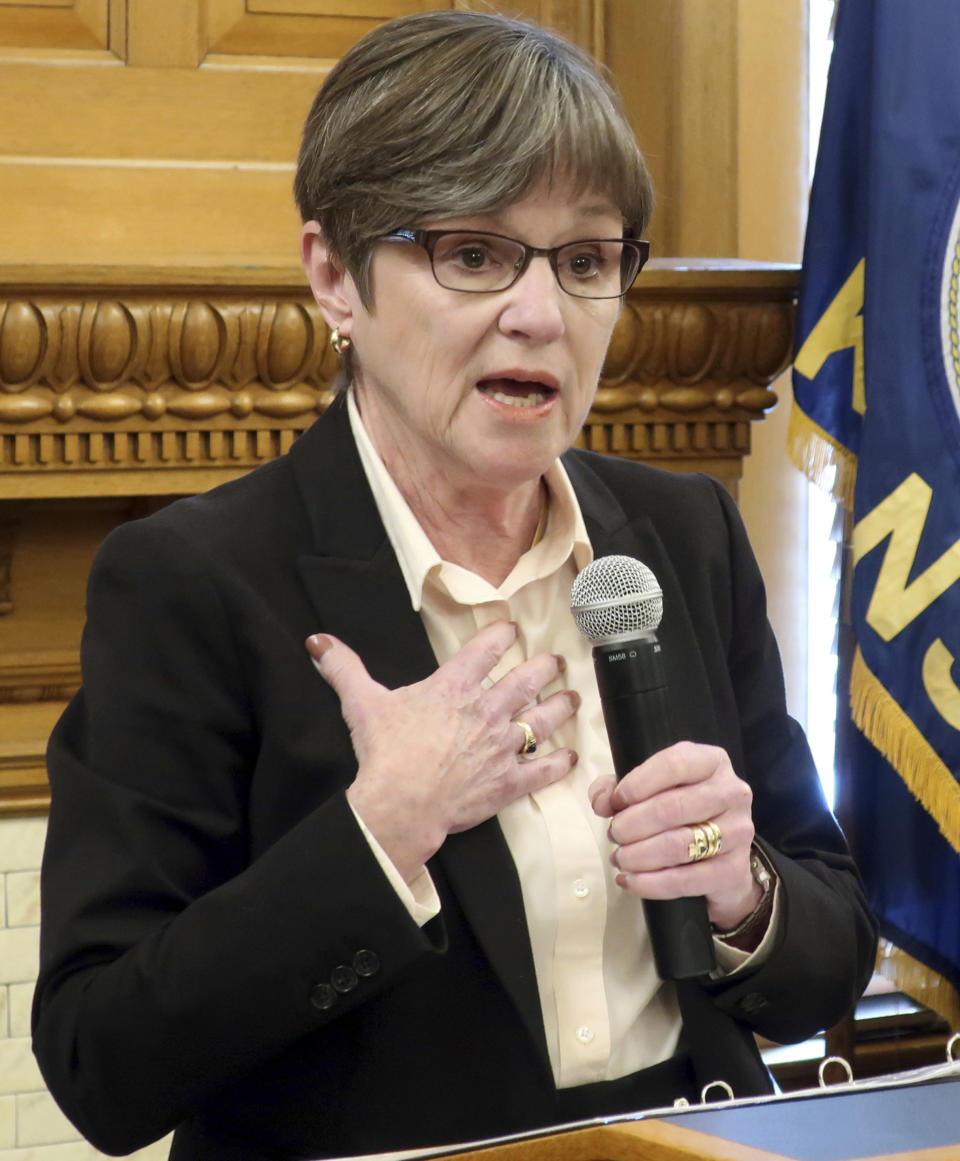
(533, 306)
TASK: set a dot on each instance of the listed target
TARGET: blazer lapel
(720, 1048)
(351, 572)
(356, 586)
(481, 872)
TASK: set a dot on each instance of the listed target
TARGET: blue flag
(877, 417)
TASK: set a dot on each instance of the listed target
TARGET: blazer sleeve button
(344, 978)
(366, 963)
(323, 997)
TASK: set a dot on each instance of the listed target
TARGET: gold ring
(529, 739)
(707, 841)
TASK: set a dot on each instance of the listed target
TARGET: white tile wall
(23, 898)
(8, 1122)
(20, 999)
(40, 1121)
(19, 953)
(32, 1128)
(22, 843)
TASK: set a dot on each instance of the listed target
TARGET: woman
(402, 905)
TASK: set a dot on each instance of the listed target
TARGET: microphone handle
(636, 710)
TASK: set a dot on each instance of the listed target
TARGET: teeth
(533, 400)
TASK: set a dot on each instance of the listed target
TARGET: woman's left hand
(653, 811)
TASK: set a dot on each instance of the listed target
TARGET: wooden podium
(632, 1141)
(661, 1141)
(914, 1117)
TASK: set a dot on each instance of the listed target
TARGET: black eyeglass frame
(428, 239)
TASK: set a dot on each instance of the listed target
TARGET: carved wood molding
(7, 533)
(157, 380)
(47, 677)
(121, 377)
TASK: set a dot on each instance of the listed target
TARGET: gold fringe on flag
(926, 986)
(815, 452)
(881, 719)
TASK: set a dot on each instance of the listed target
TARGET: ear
(329, 281)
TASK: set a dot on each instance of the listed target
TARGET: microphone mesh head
(616, 596)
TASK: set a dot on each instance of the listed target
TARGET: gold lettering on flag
(840, 326)
(940, 686)
(901, 516)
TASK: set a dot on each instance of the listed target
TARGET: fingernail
(574, 758)
(561, 662)
(318, 644)
(575, 699)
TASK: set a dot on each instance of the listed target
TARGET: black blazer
(220, 951)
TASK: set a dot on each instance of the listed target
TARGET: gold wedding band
(529, 739)
(707, 841)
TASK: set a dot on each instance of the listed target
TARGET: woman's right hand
(444, 754)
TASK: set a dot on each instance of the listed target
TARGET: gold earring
(339, 342)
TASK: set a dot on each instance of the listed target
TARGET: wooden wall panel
(675, 62)
(108, 164)
(298, 28)
(167, 35)
(374, 9)
(54, 25)
(185, 85)
(326, 28)
(582, 21)
(166, 217)
(156, 115)
(171, 141)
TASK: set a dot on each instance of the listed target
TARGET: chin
(515, 474)
(510, 462)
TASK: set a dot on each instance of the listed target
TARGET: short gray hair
(448, 113)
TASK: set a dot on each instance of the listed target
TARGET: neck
(485, 529)
(486, 539)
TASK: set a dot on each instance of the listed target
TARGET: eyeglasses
(481, 263)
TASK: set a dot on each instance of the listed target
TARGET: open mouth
(517, 392)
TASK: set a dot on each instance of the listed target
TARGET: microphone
(617, 603)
